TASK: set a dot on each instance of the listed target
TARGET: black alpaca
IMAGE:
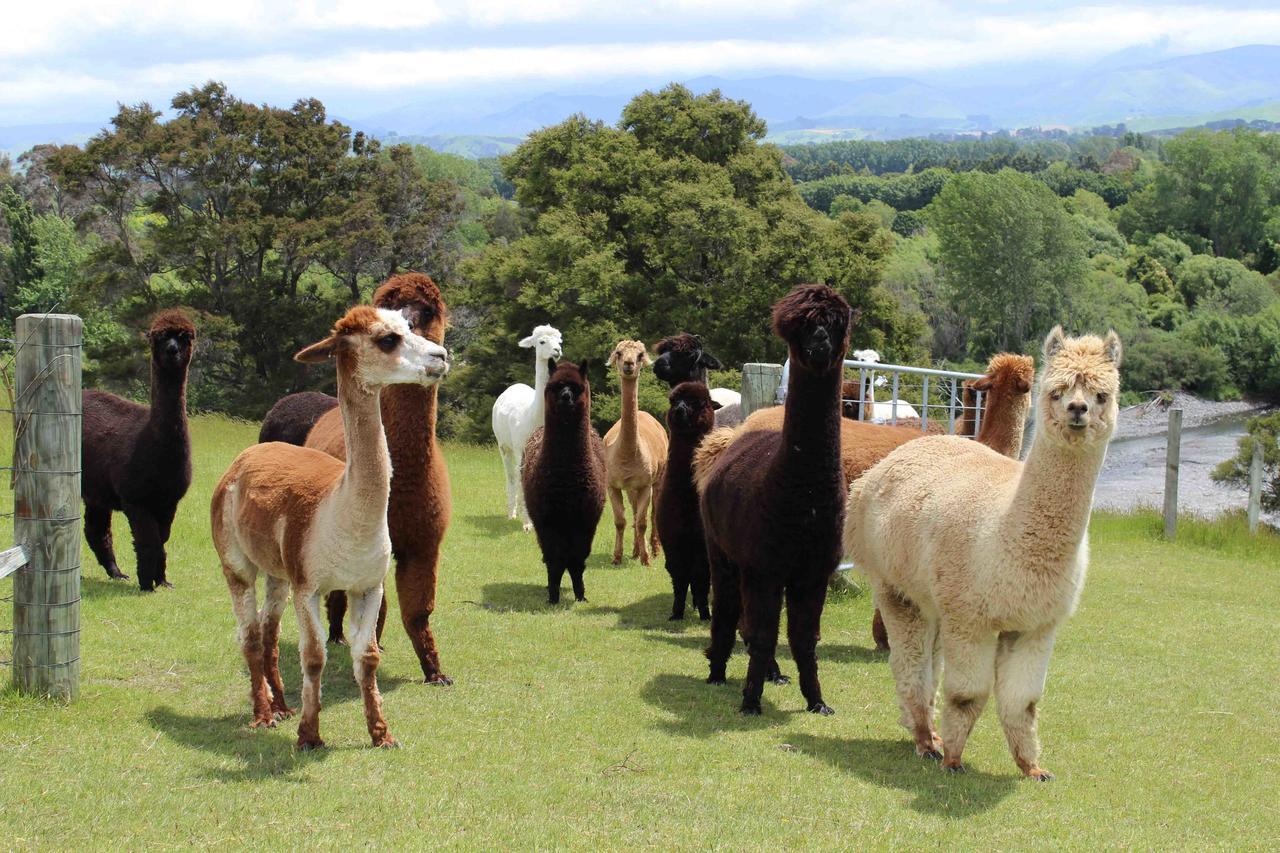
(563, 478)
(772, 505)
(681, 358)
(292, 417)
(137, 459)
(691, 416)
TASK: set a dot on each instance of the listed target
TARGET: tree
(1010, 256)
(1264, 430)
(22, 260)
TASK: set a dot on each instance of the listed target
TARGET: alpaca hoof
(820, 707)
(527, 527)
(1039, 774)
(750, 710)
(676, 617)
(778, 678)
(387, 742)
(337, 640)
(581, 598)
(956, 767)
(438, 680)
(283, 713)
(931, 754)
(114, 573)
(309, 744)
(263, 723)
(716, 677)
(704, 615)
(164, 584)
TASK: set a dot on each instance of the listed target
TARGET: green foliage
(901, 192)
(1265, 431)
(1224, 283)
(21, 256)
(1156, 359)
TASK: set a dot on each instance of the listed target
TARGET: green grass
(590, 725)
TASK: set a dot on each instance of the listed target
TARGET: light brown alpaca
(635, 451)
(976, 559)
(314, 525)
(1006, 389)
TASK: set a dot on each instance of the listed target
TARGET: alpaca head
(628, 357)
(545, 342)
(814, 320)
(568, 393)
(375, 347)
(1078, 388)
(681, 358)
(172, 338)
(692, 411)
(418, 300)
(1009, 377)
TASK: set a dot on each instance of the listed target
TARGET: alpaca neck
(1056, 485)
(366, 482)
(409, 415)
(567, 438)
(1003, 427)
(537, 412)
(811, 419)
(680, 450)
(168, 401)
(630, 414)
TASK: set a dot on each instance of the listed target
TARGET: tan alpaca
(976, 558)
(635, 451)
(314, 525)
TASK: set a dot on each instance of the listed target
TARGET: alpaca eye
(1102, 399)
(387, 343)
(1056, 396)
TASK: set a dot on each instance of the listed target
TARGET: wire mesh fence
(932, 400)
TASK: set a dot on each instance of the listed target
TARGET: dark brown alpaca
(772, 506)
(564, 479)
(292, 417)
(681, 358)
(679, 520)
(420, 505)
(137, 459)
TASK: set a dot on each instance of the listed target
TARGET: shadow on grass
(647, 613)
(257, 754)
(493, 524)
(703, 710)
(102, 588)
(525, 597)
(337, 684)
(698, 636)
(894, 764)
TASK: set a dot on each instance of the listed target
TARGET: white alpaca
(881, 412)
(976, 559)
(518, 411)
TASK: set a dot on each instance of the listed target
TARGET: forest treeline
(265, 222)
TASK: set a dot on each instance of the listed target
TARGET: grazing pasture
(589, 725)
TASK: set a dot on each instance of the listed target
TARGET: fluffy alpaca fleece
(420, 505)
(564, 479)
(679, 520)
(312, 524)
(292, 417)
(681, 358)
(635, 451)
(518, 412)
(976, 559)
(771, 505)
(137, 459)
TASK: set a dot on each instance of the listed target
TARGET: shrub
(1265, 430)
(1159, 360)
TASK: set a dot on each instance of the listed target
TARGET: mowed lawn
(589, 725)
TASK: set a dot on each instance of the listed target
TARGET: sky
(74, 60)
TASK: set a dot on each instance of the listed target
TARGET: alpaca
(518, 412)
(679, 520)
(312, 524)
(969, 409)
(681, 358)
(292, 417)
(564, 478)
(420, 505)
(771, 506)
(138, 459)
(976, 558)
(635, 451)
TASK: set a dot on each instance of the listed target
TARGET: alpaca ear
(710, 362)
(644, 357)
(318, 352)
(715, 405)
(1022, 386)
(614, 356)
(528, 342)
(551, 365)
(984, 385)
(582, 368)
(1112, 345)
(1054, 342)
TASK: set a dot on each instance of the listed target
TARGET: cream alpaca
(635, 452)
(976, 559)
(310, 523)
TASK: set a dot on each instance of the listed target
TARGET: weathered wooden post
(1172, 460)
(759, 386)
(1255, 486)
(46, 462)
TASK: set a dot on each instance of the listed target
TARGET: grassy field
(590, 726)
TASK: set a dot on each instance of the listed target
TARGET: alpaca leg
(655, 544)
(416, 592)
(249, 632)
(1022, 664)
(700, 584)
(679, 588)
(619, 522)
(269, 619)
(911, 660)
(576, 571)
(641, 498)
(804, 617)
(878, 632)
(164, 524)
(967, 682)
(335, 610)
(146, 545)
(761, 608)
(97, 531)
(311, 650)
(510, 470)
(522, 509)
(555, 574)
(726, 612)
(364, 661)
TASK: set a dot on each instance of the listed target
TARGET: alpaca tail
(852, 511)
(708, 452)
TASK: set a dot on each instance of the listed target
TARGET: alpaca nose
(566, 396)
(171, 348)
(1078, 409)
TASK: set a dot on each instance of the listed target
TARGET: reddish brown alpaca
(420, 505)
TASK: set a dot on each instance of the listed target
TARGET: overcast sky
(73, 60)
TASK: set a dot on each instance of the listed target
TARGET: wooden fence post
(759, 386)
(1172, 459)
(46, 481)
(1255, 486)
